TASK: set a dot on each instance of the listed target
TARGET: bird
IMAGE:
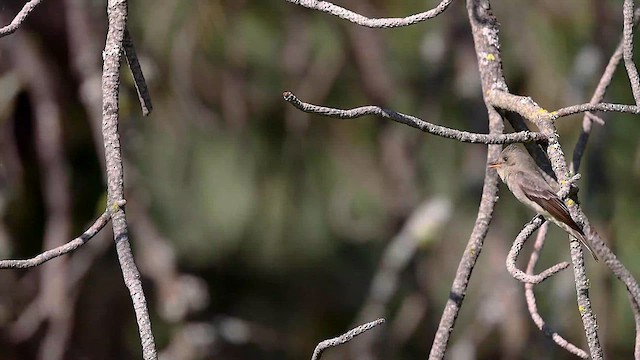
(524, 178)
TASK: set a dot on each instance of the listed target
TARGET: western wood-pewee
(523, 177)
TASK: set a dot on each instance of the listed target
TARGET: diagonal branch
(19, 18)
(60, 250)
(356, 18)
(138, 76)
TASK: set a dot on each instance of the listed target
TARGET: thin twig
(531, 299)
(346, 337)
(464, 136)
(605, 107)
(61, 250)
(356, 18)
(526, 107)
(138, 76)
(19, 18)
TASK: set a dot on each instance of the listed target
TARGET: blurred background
(261, 230)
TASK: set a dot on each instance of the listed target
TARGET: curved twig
(518, 243)
(346, 337)
(356, 18)
(464, 136)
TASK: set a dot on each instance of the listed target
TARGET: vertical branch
(485, 36)
(560, 168)
(627, 50)
(112, 56)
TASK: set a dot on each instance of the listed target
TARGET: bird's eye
(505, 159)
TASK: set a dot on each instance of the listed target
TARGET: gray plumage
(523, 177)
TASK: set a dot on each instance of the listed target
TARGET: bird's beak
(494, 165)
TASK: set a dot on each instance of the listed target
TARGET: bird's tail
(584, 242)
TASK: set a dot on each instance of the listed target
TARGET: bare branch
(627, 49)
(464, 136)
(484, 27)
(526, 107)
(356, 18)
(346, 337)
(19, 18)
(531, 299)
(112, 56)
(138, 76)
(61, 250)
(605, 107)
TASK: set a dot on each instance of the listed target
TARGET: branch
(484, 27)
(518, 243)
(526, 107)
(356, 18)
(112, 56)
(604, 107)
(531, 299)
(346, 337)
(627, 49)
(19, 18)
(60, 250)
(463, 136)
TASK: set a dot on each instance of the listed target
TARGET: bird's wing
(542, 194)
